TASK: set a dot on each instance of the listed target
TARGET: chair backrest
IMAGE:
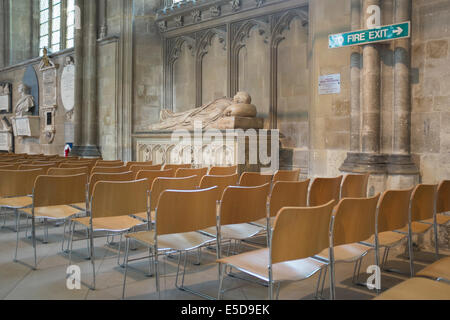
(161, 184)
(220, 181)
(18, 183)
(189, 172)
(119, 198)
(186, 211)
(423, 202)
(253, 179)
(77, 164)
(137, 167)
(46, 167)
(323, 190)
(393, 210)
(125, 176)
(286, 175)
(300, 232)
(9, 166)
(244, 204)
(443, 197)
(109, 163)
(222, 171)
(354, 220)
(151, 175)
(175, 167)
(288, 194)
(109, 169)
(355, 186)
(138, 163)
(67, 171)
(59, 190)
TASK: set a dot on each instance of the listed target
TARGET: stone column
(2, 33)
(355, 80)
(402, 89)
(370, 131)
(78, 110)
(102, 19)
(87, 126)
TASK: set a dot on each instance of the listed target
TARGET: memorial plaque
(5, 105)
(49, 90)
(5, 141)
(68, 87)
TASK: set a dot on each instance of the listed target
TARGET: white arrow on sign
(398, 31)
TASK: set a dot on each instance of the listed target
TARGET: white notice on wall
(330, 84)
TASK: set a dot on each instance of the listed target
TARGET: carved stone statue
(26, 101)
(209, 114)
(5, 125)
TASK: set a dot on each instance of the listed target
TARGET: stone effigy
(222, 113)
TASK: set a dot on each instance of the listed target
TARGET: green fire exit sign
(379, 34)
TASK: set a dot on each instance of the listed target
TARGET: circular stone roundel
(68, 87)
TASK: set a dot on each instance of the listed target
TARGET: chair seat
(114, 224)
(263, 222)
(80, 206)
(53, 212)
(416, 227)
(236, 231)
(16, 202)
(387, 239)
(440, 218)
(439, 269)
(143, 216)
(417, 289)
(347, 252)
(179, 241)
(256, 263)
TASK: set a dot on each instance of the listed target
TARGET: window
(57, 25)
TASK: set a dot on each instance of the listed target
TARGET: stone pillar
(2, 34)
(78, 110)
(402, 85)
(102, 19)
(355, 80)
(87, 126)
(370, 131)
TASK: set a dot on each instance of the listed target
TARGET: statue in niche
(26, 101)
(209, 114)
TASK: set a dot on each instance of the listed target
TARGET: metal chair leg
(411, 258)
(17, 212)
(33, 235)
(118, 255)
(127, 245)
(436, 241)
(221, 276)
(64, 236)
(91, 251)
(72, 230)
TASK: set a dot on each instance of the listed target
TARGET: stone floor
(19, 281)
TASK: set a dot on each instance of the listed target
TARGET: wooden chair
(52, 197)
(219, 181)
(189, 172)
(417, 289)
(46, 167)
(161, 184)
(136, 168)
(253, 179)
(440, 270)
(152, 175)
(392, 214)
(108, 163)
(222, 171)
(423, 207)
(16, 188)
(175, 167)
(68, 171)
(354, 221)
(285, 194)
(323, 190)
(9, 167)
(109, 169)
(239, 207)
(111, 207)
(355, 186)
(180, 214)
(298, 234)
(77, 164)
(286, 175)
(138, 163)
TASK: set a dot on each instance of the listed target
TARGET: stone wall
(430, 134)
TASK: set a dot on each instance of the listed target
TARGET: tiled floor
(19, 281)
